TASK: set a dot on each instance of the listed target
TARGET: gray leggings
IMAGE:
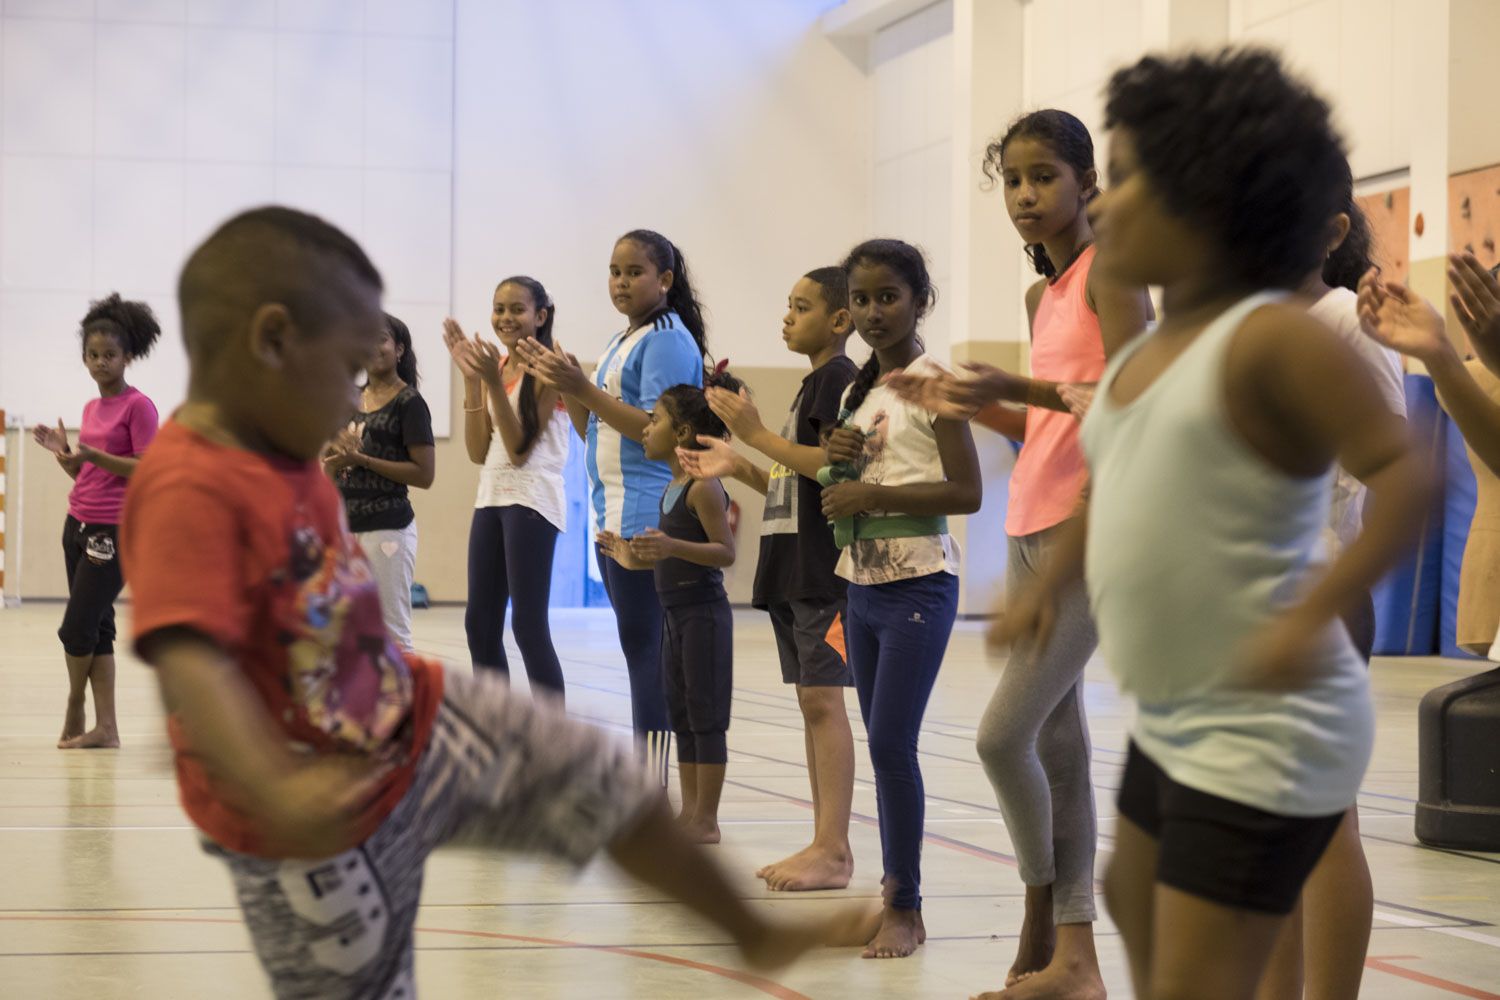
(1034, 744)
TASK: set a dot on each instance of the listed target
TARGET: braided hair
(530, 423)
(908, 262)
(132, 324)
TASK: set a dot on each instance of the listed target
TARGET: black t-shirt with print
(373, 502)
(797, 554)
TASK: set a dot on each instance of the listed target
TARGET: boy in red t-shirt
(301, 731)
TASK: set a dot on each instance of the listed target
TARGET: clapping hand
(1476, 303)
(553, 367)
(1396, 317)
(716, 459)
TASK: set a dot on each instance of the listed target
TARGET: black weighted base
(1458, 735)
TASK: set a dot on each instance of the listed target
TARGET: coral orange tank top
(1066, 346)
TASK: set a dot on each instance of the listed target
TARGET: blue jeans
(896, 635)
(632, 593)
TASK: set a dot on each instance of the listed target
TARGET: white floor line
(1458, 932)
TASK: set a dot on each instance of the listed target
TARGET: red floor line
(1447, 985)
(764, 985)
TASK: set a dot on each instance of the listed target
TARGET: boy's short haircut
(270, 254)
(834, 284)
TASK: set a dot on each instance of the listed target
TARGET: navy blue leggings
(632, 593)
(896, 635)
(510, 560)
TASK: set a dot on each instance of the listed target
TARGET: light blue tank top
(1195, 542)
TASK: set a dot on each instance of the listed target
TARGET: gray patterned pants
(498, 772)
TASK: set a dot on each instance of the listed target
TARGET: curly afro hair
(1233, 143)
(133, 324)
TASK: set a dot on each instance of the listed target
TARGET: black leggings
(632, 593)
(94, 581)
(510, 559)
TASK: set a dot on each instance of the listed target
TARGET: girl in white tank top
(1211, 444)
(517, 430)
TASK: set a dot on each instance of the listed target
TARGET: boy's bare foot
(1058, 981)
(901, 931)
(74, 722)
(810, 869)
(95, 739)
(1038, 937)
(782, 943)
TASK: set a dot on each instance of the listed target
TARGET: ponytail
(680, 297)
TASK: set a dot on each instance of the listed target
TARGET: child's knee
(893, 754)
(820, 705)
(998, 742)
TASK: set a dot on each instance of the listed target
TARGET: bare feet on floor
(901, 931)
(74, 722)
(94, 739)
(809, 869)
(1058, 981)
(1034, 950)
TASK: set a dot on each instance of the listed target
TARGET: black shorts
(810, 642)
(697, 661)
(1222, 851)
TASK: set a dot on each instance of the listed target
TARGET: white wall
(911, 66)
(736, 129)
(1357, 54)
(130, 128)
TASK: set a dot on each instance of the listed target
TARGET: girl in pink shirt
(115, 430)
(1033, 739)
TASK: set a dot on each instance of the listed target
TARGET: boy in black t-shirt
(795, 581)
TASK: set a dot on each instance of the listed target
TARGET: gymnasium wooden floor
(104, 893)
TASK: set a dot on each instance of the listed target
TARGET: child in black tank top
(687, 554)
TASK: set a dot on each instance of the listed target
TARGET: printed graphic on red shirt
(345, 674)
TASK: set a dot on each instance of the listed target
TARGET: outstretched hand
(715, 460)
(1078, 396)
(54, 439)
(460, 348)
(1396, 317)
(735, 409)
(958, 395)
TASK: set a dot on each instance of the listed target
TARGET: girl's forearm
(926, 499)
(405, 473)
(1004, 420)
(118, 465)
(630, 421)
(508, 424)
(477, 427)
